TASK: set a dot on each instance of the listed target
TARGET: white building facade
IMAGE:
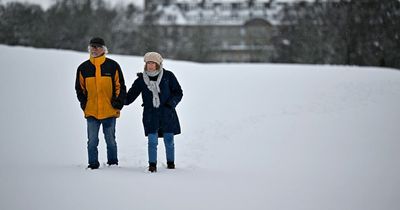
(232, 30)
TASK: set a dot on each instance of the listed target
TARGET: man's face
(96, 51)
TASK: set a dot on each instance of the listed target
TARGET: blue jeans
(169, 147)
(93, 126)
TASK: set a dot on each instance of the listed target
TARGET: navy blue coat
(164, 118)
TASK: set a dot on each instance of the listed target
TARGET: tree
(340, 32)
(74, 22)
(21, 24)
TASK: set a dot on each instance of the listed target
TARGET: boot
(170, 165)
(153, 167)
(94, 165)
(113, 162)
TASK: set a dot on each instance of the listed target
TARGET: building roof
(217, 12)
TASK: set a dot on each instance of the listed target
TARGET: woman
(161, 93)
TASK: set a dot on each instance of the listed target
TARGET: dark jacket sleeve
(134, 91)
(80, 91)
(176, 92)
(118, 100)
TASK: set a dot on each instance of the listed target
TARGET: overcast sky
(47, 3)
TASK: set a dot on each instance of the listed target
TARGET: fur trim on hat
(154, 57)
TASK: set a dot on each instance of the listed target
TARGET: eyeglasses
(96, 46)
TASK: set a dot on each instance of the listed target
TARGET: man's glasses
(95, 46)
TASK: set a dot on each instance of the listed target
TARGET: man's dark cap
(97, 41)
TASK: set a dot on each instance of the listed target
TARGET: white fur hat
(153, 56)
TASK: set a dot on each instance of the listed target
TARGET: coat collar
(98, 60)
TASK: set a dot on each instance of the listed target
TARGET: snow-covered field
(255, 136)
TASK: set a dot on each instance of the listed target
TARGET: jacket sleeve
(119, 91)
(176, 92)
(134, 91)
(80, 89)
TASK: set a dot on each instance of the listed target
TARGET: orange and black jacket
(100, 87)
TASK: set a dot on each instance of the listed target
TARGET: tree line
(350, 32)
(69, 24)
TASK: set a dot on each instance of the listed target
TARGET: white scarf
(154, 86)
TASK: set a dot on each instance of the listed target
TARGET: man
(101, 91)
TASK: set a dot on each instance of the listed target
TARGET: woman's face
(151, 66)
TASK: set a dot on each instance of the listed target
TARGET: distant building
(239, 31)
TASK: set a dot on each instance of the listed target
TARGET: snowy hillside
(255, 136)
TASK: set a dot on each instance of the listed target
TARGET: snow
(221, 14)
(255, 136)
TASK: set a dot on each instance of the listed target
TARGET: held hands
(117, 103)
